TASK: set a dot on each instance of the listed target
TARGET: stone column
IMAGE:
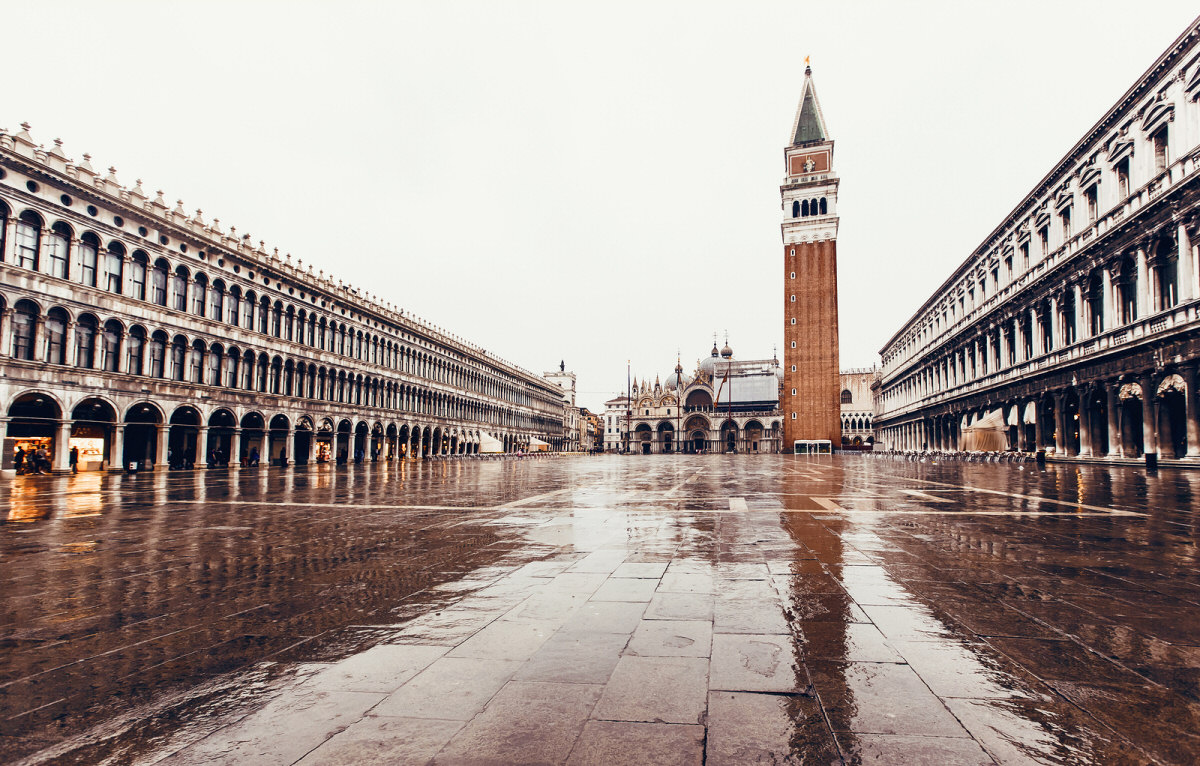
(1107, 304)
(289, 447)
(6, 332)
(164, 439)
(1002, 362)
(1035, 327)
(62, 450)
(1192, 405)
(1039, 430)
(1113, 391)
(202, 447)
(1143, 284)
(1060, 424)
(1082, 327)
(1187, 270)
(235, 447)
(116, 447)
(1085, 424)
(1055, 325)
(1149, 442)
(1022, 432)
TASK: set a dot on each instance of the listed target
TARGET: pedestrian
(74, 460)
(41, 460)
(254, 456)
(212, 458)
(189, 458)
(282, 457)
(19, 460)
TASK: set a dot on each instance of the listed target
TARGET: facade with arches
(725, 405)
(858, 407)
(149, 335)
(1074, 326)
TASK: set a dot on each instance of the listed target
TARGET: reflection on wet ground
(661, 609)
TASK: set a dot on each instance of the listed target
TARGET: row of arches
(148, 434)
(698, 435)
(1124, 417)
(804, 208)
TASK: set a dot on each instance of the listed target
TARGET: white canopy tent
(537, 445)
(489, 445)
(988, 434)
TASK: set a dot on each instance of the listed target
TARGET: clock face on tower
(809, 165)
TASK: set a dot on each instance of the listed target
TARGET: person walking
(74, 460)
(19, 460)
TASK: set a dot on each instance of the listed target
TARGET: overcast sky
(590, 182)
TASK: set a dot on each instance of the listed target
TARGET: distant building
(591, 431)
(616, 412)
(725, 405)
(858, 407)
(566, 381)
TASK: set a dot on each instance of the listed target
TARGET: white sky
(593, 182)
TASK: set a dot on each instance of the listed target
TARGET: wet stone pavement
(608, 610)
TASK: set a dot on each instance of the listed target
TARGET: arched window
(847, 397)
(251, 307)
(277, 320)
(158, 354)
(215, 356)
(29, 238)
(137, 275)
(179, 290)
(1127, 291)
(824, 207)
(248, 371)
(288, 322)
(216, 301)
(135, 342)
(1166, 272)
(812, 206)
(229, 366)
(179, 352)
(158, 282)
(89, 248)
(114, 267)
(199, 295)
(264, 315)
(795, 208)
(234, 305)
(24, 320)
(58, 250)
(85, 342)
(196, 364)
(110, 359)
(804, 209)
(263, 365)
(55, 331)
(3, 228)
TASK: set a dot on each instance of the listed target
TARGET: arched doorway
(435, 444)
(342, 449)
(1096, 406)
(642, 437)
(32, 426)
(666, 437)
(324, 438)
(141, 435)
(181, 443)
(1172, 417)
(1130, 397)
(753, 434)
(254, 428)
(1070, 405)
(729, 434)
(221, 425)
(696, 429)
(376, 442)
(402, 439)
(277, 452)
(426, 437)
(92, 423)
(302, 442)
(391, 442)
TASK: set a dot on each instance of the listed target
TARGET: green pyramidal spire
(810, 125)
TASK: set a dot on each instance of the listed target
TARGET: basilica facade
(136, 334)
(1074, 326)
(725, 406)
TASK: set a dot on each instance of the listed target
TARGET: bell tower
(810, 400)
